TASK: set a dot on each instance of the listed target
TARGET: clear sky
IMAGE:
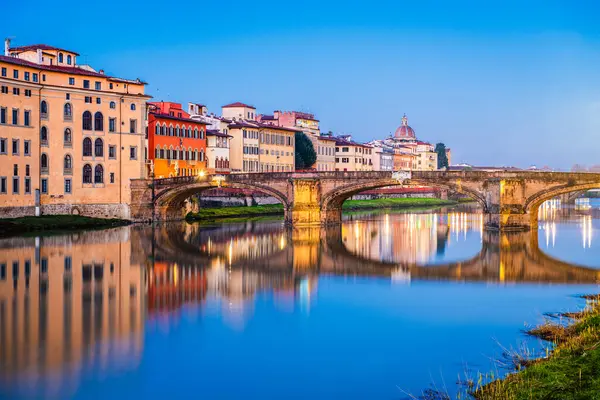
(510, 83)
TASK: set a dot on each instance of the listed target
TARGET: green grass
(349, 205)
(54, 223)
(570, 372)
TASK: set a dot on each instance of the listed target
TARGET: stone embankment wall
(120, 211)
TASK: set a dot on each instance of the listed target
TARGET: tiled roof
(66, 70)
(268, 118)
(238, 104)
(34, 47)
(174, 118)
(344, 142)
(214, 132)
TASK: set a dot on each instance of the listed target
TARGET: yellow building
(325, 149)
(71, 137)
(276, 148)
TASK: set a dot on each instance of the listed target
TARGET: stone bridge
(510, 199)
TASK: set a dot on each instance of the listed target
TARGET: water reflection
(74, 303)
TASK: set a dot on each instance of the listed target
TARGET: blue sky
(508, 83)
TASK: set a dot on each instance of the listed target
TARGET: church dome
(404, 131)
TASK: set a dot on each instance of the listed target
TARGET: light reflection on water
(253, 310)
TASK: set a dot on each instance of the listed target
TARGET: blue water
(270, 314)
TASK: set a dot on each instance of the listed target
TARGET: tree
(440, 149)
(305, 151)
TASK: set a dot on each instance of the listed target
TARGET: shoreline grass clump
(54, 224)
(569, 371)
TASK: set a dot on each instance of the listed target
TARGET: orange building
(176, 143)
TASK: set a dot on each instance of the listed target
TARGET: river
(386, 305)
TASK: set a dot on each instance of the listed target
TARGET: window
(132, 126)
(113, 105)
(87, 173)
(68, 165)
(110, 85)
(2, 115)
(44, 109)
(45, 185)
(112, 152)
(27, 118)
(5, 89)
(3, 71)
(16, 91)
(98, 100)
(43, 77)
(15, 147)
(27, 170)
(44, 162)
(15, 185)
(16, 73)
(15, 116)
(44, 135)
(27, 76)
(87, 148)
(68, 112)
(3, 145)
(98, 174)
(35, 77)
(98, 121)
(60, 58)
(68, 137)
(68, 96)
(88, 99)
(99, 148)
(67, 189)
(86, 84)
(112, 177)
(133, 152)
(98, 85)
(69, 59)
(27, 147)
(112, 124)
(27, 93)
(132, 107)
(71, 81)
(27, 185)
(87, 121)
(3, 185)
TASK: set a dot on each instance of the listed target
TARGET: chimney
(6, 46)
(102, 71)
(39, 56)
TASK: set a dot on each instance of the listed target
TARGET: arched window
(60, 58)
(87, 148)
(98, 174)
(170, 130)
(113, 105)
(98, 147)
(98, 121)
(158, 129)
(163, 130)
(189, 155)
(201, 134)
(181, 155)
(132, 107)
(195, 133)
(69, 59)
(87, 173)
(68, 137)
(87, 121)
(163, 151)
(177, 133)
(44, 135)
(44, 161)
(157, 152)
(68, 163)
(68, 111)
(201, 155)
(44, 108)
(189, 132)
(195, 154)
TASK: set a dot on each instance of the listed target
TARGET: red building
(176, 143)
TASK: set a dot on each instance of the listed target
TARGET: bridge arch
(331, 202)
(170, 202)
(533, 203)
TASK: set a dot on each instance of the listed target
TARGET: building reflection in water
(77, 302)
(582, 213)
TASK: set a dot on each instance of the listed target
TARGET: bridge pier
(507, 222)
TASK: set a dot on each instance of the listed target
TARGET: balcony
(68, 171)
(68, 118)
(44, 170)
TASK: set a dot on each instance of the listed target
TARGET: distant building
(409, 153)
(352, 156)
(383, 159)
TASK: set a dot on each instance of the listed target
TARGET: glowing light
(201, 174)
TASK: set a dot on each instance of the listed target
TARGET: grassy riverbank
(349, 205)
(54, 223)
(570, 372)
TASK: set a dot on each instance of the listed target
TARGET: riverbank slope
(54, 223)
(349, 205)
(570, 372)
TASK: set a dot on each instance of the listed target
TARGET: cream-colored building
(277, 148)
(217, 151)
(325, 153)
(71, 137)
(352, 156)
